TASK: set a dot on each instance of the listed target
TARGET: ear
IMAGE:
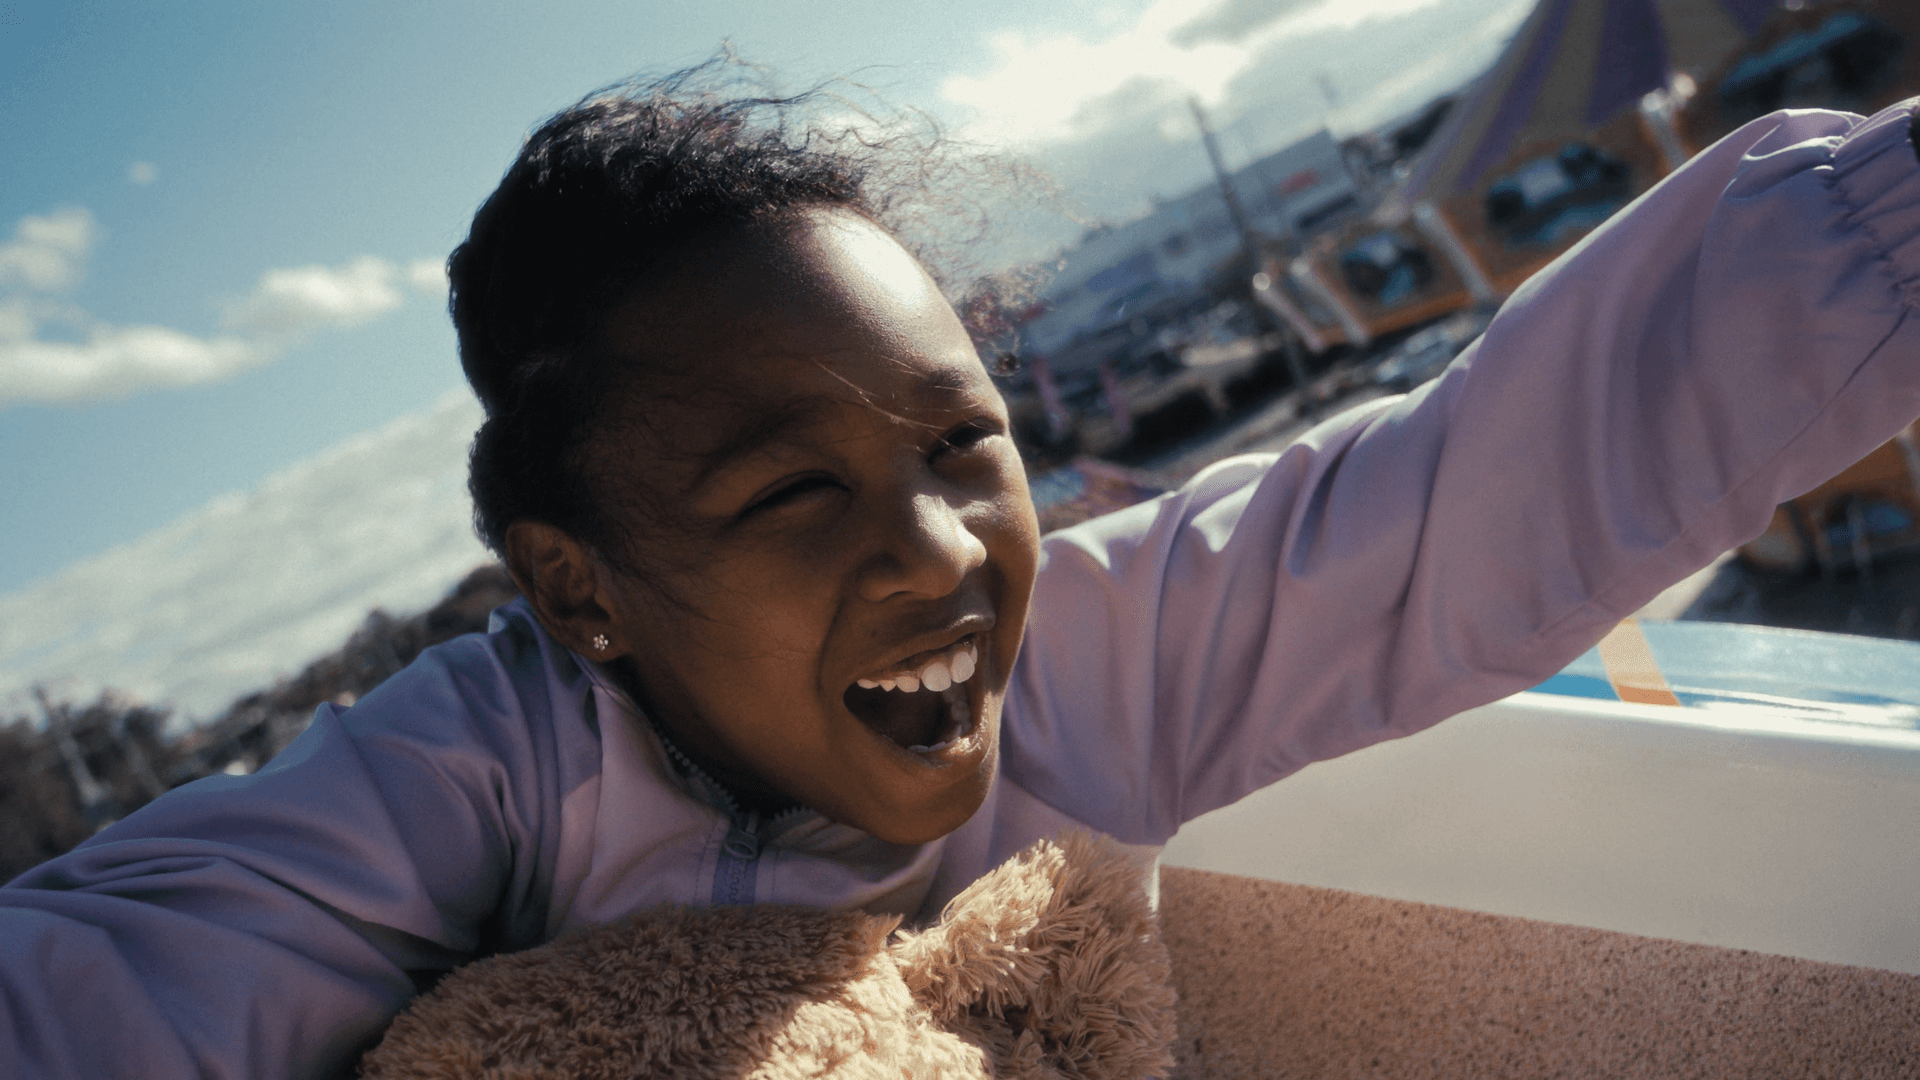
(565, 583)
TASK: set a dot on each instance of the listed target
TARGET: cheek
(1017, 524)
(771, 609)
(1013, 542)
(790, 632)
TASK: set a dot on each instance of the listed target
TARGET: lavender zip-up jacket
(1737, 335)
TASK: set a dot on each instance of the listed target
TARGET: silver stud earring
(600, 643)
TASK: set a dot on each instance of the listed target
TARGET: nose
(923, 548)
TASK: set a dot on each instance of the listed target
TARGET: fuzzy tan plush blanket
(1049, 967)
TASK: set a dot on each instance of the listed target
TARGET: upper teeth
(937, 674)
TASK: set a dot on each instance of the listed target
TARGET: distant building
(1163, 260)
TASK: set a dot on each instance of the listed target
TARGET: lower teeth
(957, 717)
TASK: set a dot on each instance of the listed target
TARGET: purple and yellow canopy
(1572, 66)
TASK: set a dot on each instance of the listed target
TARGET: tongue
(908, 719)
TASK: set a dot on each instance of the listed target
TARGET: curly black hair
(609, 188)
(600, 193)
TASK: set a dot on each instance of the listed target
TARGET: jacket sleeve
(1738, 334)
(268, 925)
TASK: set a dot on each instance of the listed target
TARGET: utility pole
(1250, 246)
(1248, 242)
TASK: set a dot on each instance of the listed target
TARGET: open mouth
(925, 703)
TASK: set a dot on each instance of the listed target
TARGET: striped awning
(1572, 66)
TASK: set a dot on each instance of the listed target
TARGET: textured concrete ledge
(1280, 980)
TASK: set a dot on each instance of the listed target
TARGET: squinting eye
(969, 434)
(802, 486)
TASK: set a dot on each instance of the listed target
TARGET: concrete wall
(1290, 981)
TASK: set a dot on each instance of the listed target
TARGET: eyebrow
(948, 377)
(804, 413)
(768, 428)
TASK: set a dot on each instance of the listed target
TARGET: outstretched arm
(1737, 335)
(268, 925)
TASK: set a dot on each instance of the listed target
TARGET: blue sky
(284, 135)
(220, 222)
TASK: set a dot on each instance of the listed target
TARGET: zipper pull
(743, 842)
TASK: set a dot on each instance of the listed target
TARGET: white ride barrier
(1776, 809)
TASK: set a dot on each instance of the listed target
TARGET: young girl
(790, 635)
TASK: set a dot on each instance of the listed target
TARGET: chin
(911, 825)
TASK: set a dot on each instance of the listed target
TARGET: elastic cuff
(1876, 170)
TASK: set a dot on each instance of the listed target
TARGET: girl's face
(819, 489)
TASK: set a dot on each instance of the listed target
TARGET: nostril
(930, 553)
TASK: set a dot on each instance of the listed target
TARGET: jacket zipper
(736, 872)
(739, 865)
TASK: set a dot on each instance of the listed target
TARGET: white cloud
(1049, 87)
(428, 278)
(253, 586)
(1040, 87)
(48, 254)
(1105, 108)
(142, 172)
(292, 302)
(93, 360)
(113, 361)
